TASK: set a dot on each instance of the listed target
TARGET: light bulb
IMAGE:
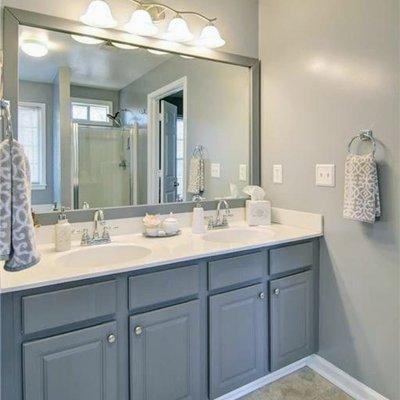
(141, 24)
(187, 57)
(34, 48)
(98, 14)
(158, 52)
(124, 46)
(178, 30)
(210, 37)
(86, 39)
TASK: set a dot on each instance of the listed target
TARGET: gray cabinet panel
(165, 353)
(157, 287)
(292, 319)
(66, 306)
(234, 270)
(238, 350)
(77, 365)
(289, 258)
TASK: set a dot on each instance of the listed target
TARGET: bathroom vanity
(196, 328)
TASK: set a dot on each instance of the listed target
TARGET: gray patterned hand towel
(196, 176)
(17, 235)
(361, 188)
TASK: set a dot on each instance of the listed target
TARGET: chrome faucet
(99, 221)
(221, 219)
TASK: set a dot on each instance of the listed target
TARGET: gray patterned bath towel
(361, 188)
(17, 235)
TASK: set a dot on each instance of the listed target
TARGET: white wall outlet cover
(243, 172)
(325, 175)
(215, 170)
(277, 174)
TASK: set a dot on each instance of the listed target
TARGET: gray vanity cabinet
(165, 353)
(292, 319)
(238, 341)
(76, 365)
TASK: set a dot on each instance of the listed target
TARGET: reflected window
(91, 112)
(32, 135)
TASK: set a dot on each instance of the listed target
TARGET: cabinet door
(72, 366)
(238, 350)
(292, 319)
(165, 353)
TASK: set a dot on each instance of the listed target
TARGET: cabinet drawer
(158, 287)
(234, 270)
(66, 306)
(291, 257)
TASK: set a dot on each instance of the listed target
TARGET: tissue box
(258, 212)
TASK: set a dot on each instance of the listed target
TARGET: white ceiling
(100, 66)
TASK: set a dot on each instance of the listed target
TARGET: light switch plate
(277, 173)
(325, 175)
(243, 172)
(215, 170)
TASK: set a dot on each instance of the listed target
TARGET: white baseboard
(333, 374)
(265, 380)
(350, 385)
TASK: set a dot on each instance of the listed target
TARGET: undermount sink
(102, 256)
(238, 235)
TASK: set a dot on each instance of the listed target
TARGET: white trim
(265, 380)
(89, 102)
(152, 142)
(42, 185)
(345, 382)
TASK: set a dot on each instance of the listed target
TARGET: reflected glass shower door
(104, 166)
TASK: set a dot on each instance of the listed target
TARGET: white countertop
(184, 247)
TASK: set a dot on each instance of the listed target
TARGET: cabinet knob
(262, 295)
(138, 330)
(111, 338)
(276, 291)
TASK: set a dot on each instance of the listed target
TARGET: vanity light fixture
(34, 48)
(210, 37)
(86, 39)
(158, 52)
(124, 46)
(143, 22)
(98, 14)
(178, 30)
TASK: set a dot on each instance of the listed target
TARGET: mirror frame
(13, 18)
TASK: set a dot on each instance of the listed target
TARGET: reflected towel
(196, 176)
(361, 188)
(17, 235)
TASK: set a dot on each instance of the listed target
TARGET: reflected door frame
(154, 173)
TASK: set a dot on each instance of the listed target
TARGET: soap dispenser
(198, 225)
(62, 232)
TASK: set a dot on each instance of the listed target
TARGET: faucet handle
(85, 239)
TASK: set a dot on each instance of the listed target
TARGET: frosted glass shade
(210, 37)
(86, 39)
(98, 15)
(141, 24)
(34, 48)
(178, 31)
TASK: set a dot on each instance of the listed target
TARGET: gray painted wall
(329, 69)
(218, 115)
(42, 93)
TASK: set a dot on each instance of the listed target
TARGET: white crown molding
(341, 379)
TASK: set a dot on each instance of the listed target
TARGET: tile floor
(304, 384)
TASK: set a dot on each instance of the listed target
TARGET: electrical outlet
(243, 172)
(277, 173)
(215, 170)
(325, 175)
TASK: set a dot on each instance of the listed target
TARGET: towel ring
(199, 151)
(364, 136)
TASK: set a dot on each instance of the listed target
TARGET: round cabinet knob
(262, 295)
(276, 292)
(111, 338)
(138, 330)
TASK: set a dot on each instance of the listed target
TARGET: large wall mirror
(107, 124)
